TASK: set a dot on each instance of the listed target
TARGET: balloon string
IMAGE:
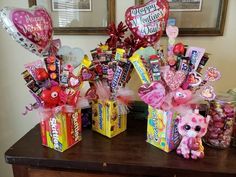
(30, 108)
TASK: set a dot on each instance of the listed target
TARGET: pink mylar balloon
(32, 28)
(148, 21)
(153, 94)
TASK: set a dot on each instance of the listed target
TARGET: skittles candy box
(107, 118)
(61, 130)
(162, 129)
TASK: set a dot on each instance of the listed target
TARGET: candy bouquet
(173, 82)
(54, 81)
(108, 75)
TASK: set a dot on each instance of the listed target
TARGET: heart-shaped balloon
(174, 79)
(148, 21)
(71, 56)
(153, 94)
(32, 28)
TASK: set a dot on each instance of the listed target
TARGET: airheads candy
(61, 130)
(162, 129)
(107, 118)
(139, 67)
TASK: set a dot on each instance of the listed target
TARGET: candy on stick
(172, 33)
(155, 67)
(202, 63)
(140, 69)
(195, 54)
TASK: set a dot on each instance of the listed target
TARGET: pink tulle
(102, 90)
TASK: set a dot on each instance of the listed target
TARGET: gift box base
(107, 118)
(61, 131)
(162, 129)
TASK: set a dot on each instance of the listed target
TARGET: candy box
(107, 118)
(60, 130)
(162, 129)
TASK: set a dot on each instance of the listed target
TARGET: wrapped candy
(220, 130)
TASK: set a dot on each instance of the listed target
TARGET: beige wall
(14, 94)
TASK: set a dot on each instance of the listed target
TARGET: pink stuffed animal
(192, 126)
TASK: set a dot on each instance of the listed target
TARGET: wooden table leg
(20, 171)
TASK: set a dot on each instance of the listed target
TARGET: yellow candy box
(162, 129)
(107, 118)
(61, 130)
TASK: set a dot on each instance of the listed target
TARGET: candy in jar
(220, 129)
(232, 92)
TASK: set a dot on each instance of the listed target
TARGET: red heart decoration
(179, 49)
(91, 94)
(194, 79)
(148, 21)
(74, 81)
(153, 94)
(87, 75)
(41, 74)
(51, 97)
(174, 79)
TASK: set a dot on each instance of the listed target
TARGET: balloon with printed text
(148, 21)
(31, 28)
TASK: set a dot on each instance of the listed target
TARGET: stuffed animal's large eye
(197, 128)
(54, 94)
(187, 127)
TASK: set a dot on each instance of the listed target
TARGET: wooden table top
(127, 153)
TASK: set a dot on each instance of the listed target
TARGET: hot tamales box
(108, 118)
(61, 130)
(162, 129)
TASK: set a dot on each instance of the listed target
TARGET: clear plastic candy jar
(220, 128)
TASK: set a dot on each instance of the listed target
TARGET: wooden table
(125, 155)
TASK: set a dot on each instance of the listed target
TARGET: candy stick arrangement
(110, 66)
(172, 82)
(109, 72)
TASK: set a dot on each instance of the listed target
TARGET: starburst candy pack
(108, 118)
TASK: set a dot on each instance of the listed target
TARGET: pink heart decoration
(194, 79)
(174, 79)
(148, 21)
(153, 94)
(172, 31)
(87, 75)
(182, 96)
(212, 74)
(193, 144)
(208, 93)
(32, 28)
